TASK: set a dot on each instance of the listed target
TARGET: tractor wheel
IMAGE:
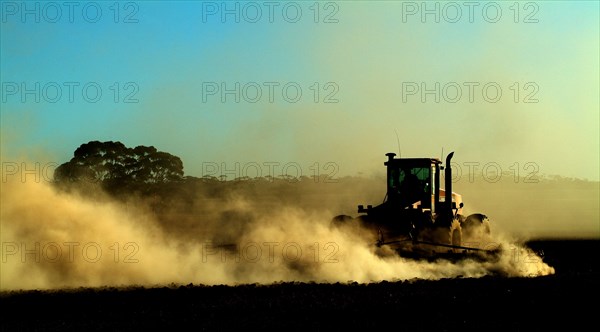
(341, 220)
(476, 226)
(447, 235)
(455, 233)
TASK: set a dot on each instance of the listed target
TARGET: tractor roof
(410, 161)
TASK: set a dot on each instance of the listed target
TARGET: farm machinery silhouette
(420, 220)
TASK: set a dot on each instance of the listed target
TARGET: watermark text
(69, 252)
(271, 170)
(71, 92)
(70, 11)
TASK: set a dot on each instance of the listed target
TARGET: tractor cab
(413, 182)
(413, 188)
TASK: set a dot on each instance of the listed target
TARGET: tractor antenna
(398, 141)
(442, 155)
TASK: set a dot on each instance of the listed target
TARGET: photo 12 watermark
(493, 172)
(320, 12)
(271, 170)
(69, 252)
(24, 171)
(71, 92)
(525, 260)
(470, 11)
(270, 252)
(272, 92)
(70, 12)
(471, 92)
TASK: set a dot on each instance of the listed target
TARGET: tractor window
(413, 183)
(410, 181)
(422, 179)
(394, 178)
(399, 175)
(421, 173)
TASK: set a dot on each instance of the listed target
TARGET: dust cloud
(242, 234)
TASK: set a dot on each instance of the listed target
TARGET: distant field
(488, 303)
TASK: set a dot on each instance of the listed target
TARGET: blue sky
(362, 58)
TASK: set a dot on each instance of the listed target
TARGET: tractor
(418, 219)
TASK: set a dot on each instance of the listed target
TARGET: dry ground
(485, 304)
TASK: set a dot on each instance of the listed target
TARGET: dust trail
(55, 239)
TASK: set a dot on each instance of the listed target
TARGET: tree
(115, 166)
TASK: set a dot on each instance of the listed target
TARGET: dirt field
(485, 304)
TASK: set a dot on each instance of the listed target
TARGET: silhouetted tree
(116, 166)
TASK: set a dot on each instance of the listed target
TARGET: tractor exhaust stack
(448, 183)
